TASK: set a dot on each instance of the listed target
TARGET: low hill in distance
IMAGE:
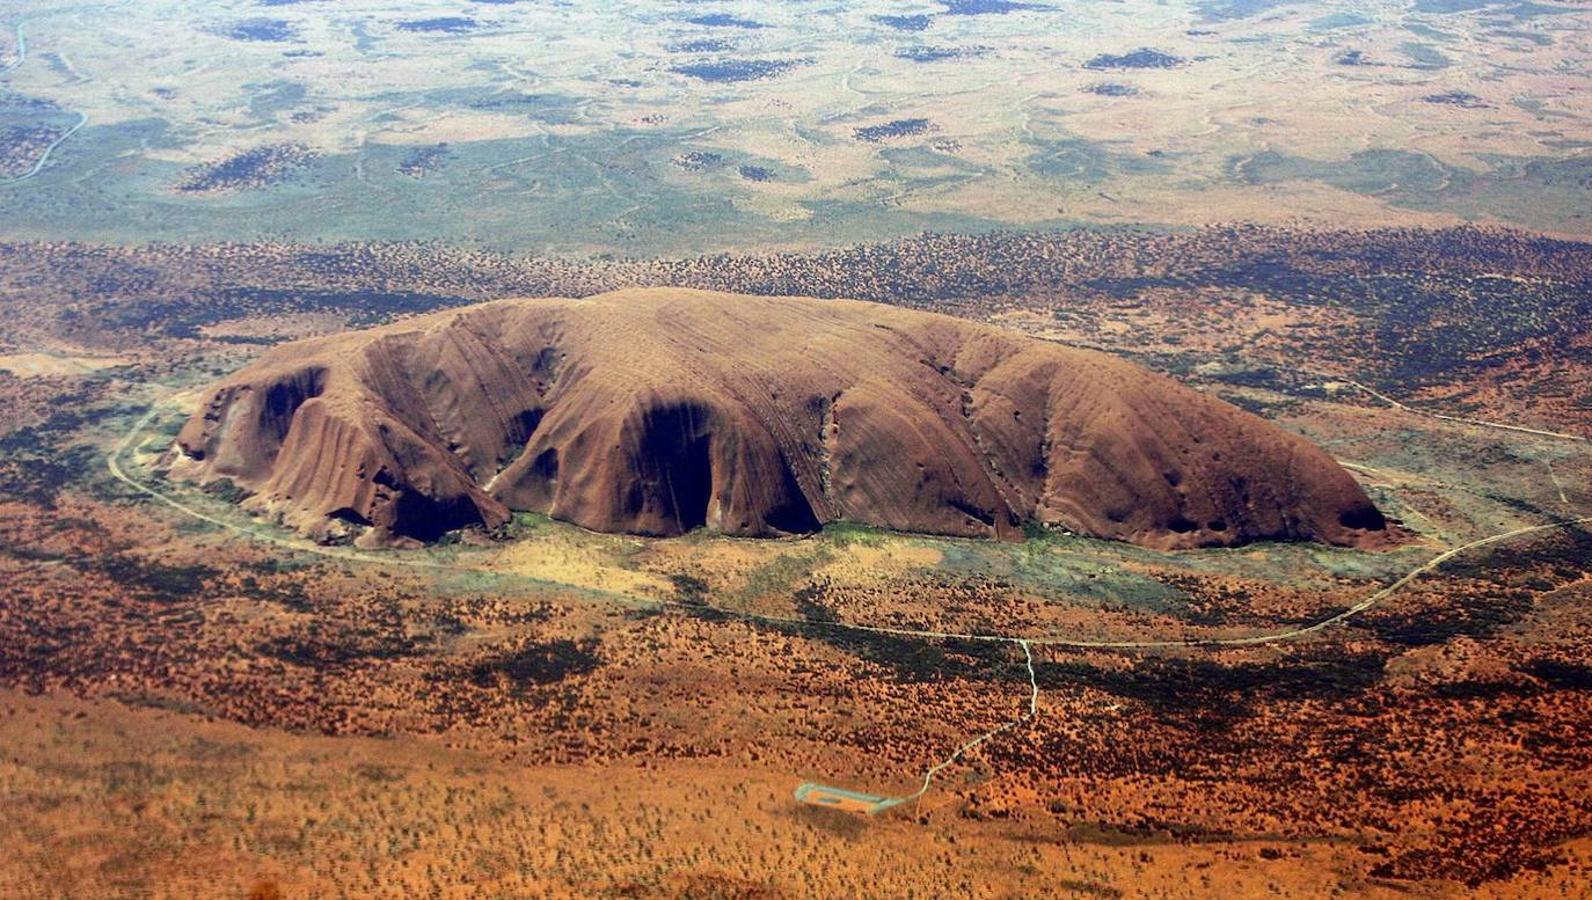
(658, 411)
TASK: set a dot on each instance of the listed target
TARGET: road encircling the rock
(269, 534)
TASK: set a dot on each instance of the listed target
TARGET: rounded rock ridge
(658, 411)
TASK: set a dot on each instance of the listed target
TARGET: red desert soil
(661, 410)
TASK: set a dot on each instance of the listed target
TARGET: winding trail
(270, 535)
(1557, 484)
(1402, 407)
(22, 50)
(928, 777)
(44, 158)
(817, 793)
(38, 165)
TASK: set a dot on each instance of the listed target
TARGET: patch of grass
(841, 534)
(778, 575)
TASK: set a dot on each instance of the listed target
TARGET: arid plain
(199, 697)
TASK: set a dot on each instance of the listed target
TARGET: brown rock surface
(660, 410)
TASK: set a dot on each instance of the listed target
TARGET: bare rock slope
(658, 411)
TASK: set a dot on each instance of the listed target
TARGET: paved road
(274, 536)
(44, 158)
(1481, 422)
(271, 535)
(22, 51)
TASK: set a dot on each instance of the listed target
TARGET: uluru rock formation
(658, 411)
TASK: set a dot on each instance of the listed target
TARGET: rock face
(659, 411)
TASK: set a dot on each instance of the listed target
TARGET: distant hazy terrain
(669, 127)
